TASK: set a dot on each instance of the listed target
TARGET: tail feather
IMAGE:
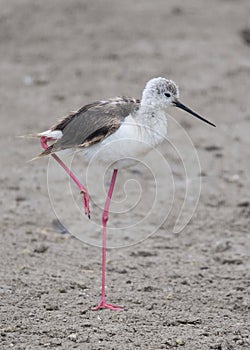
(52, 135)
(46, 152)
(29, 136)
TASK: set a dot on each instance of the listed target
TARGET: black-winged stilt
(109, 125)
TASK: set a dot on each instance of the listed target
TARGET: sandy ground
(187, 289)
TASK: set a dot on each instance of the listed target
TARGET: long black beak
(181, 106)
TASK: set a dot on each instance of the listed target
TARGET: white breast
(129, 143)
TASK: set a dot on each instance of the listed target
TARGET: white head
(160, 93)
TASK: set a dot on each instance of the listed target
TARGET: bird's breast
(126, 146)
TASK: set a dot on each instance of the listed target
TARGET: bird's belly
(122, 153)
(122, 149)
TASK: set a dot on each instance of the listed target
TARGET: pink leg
(103, 304)
(83, 190)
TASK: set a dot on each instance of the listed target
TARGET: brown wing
(92, 123)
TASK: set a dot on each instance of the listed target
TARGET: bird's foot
(104, 305)
(85, 199)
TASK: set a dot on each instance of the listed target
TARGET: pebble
(211, 148)
(245, 34)
(222, 246)
(72, 337)
(51, 307)
(41, 248)
(244, 203)
(233, 178)
(27, 80)
(180, 341)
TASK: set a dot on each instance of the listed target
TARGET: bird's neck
(150, 106)
(150, 103)
(152, 120)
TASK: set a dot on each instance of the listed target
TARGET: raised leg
(103, 304)
(84, 193)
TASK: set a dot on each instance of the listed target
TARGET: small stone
(25, 251)
(151, 307)
(78, 72)
(5, 330)
(203, 173)
(245, 34)
(222, 246)
(86, 324)
(170, 296)
(240, 342)
(41, 248)
(148, 289)
(143, 253)
(84, 311)
(233, 178)
(244, 203)
(20, 198)
(27, 80)
(216, 346)
(218, 155)
(59, 97)
(56, 342)
(13, 188)
(24, 267)
(51, 307)
(180, 341)
(167, 342)
(42, 80)
(211, 148)
(177, 11)
(72, 337)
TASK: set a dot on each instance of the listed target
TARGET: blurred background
(59, 55)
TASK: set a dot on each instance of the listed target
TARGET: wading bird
(125, 128)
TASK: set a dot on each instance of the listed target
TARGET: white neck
(152, 121)
(150, 102)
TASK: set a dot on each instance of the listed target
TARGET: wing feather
(92, 123)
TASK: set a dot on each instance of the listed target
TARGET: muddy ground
(187, 289)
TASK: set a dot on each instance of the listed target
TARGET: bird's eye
(167, 94)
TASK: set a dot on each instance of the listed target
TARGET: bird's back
(91, 124)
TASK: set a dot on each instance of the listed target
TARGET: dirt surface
(188, 289)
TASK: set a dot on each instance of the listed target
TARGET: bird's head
(161, 92)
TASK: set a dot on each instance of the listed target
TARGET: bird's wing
(92, 123)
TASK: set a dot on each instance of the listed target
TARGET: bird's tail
(52, 134)
(46, 152)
